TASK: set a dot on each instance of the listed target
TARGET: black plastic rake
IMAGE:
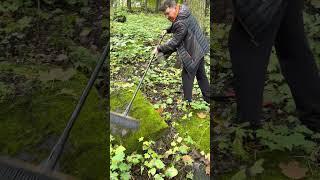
(124, 120)
(11, 169)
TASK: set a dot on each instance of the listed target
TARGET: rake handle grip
(126, 112)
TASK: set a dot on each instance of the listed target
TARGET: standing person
(250, 58)
(191, 46)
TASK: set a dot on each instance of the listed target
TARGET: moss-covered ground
(31, 124)
(151, 124)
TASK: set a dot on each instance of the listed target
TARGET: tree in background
(129, 5)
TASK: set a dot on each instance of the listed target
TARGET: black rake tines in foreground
(16, 170)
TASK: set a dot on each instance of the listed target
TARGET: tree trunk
(198, 10)
(157, 5)
(146, 5)
(207, 8)
(129, 5)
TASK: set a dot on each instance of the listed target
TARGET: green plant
(152, 163)
(283, 138)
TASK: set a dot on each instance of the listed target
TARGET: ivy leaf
(159, 164)
(189, 175)
(237, 145)
(168, 153)
(124, 167)
(241, 175)
(152, 171)
(179, 139)
(173, 143)
(303, 129)
(158, 177)
(256, 168)
(141, 139)
(114, 175)
(183, 149)
(119, 154)
(169, 101)
(146, 155)
(171, 172)
(125, 176)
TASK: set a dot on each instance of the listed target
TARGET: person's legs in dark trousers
(203, 81)
(249, 65)
(298, 65)
(188, 80)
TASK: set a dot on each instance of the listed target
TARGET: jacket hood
(184, 12)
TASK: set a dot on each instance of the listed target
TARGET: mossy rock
(30, 126)
(151, 124)
(198, 129)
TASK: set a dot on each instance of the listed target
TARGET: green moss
(198, 129)
(28, 123)
(151, 123)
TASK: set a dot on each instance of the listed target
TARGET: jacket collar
(184, 12)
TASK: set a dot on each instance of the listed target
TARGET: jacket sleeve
(180, 31)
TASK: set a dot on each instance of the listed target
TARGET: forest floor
(132, 42)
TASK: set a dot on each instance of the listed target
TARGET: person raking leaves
(190, 44)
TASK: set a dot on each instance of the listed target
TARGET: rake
(124, 120)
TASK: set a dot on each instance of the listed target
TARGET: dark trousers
(249, 65)
(188, 79)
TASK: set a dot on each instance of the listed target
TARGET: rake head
(12, 169)
(124, 121)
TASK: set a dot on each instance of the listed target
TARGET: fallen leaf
(293, 170)
(61, 58)
(85, 32)
(67, 92)
(208, 169)
(159, 110)
(56, 74)
(201, 115)
(187, 159)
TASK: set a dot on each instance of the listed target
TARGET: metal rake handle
(126, 112)
(59, 146)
